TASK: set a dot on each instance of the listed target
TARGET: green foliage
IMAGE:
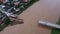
(56, 31)
(5, 23)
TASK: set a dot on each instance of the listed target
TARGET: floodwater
(47, 10)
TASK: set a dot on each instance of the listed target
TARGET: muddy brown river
(47, 10)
